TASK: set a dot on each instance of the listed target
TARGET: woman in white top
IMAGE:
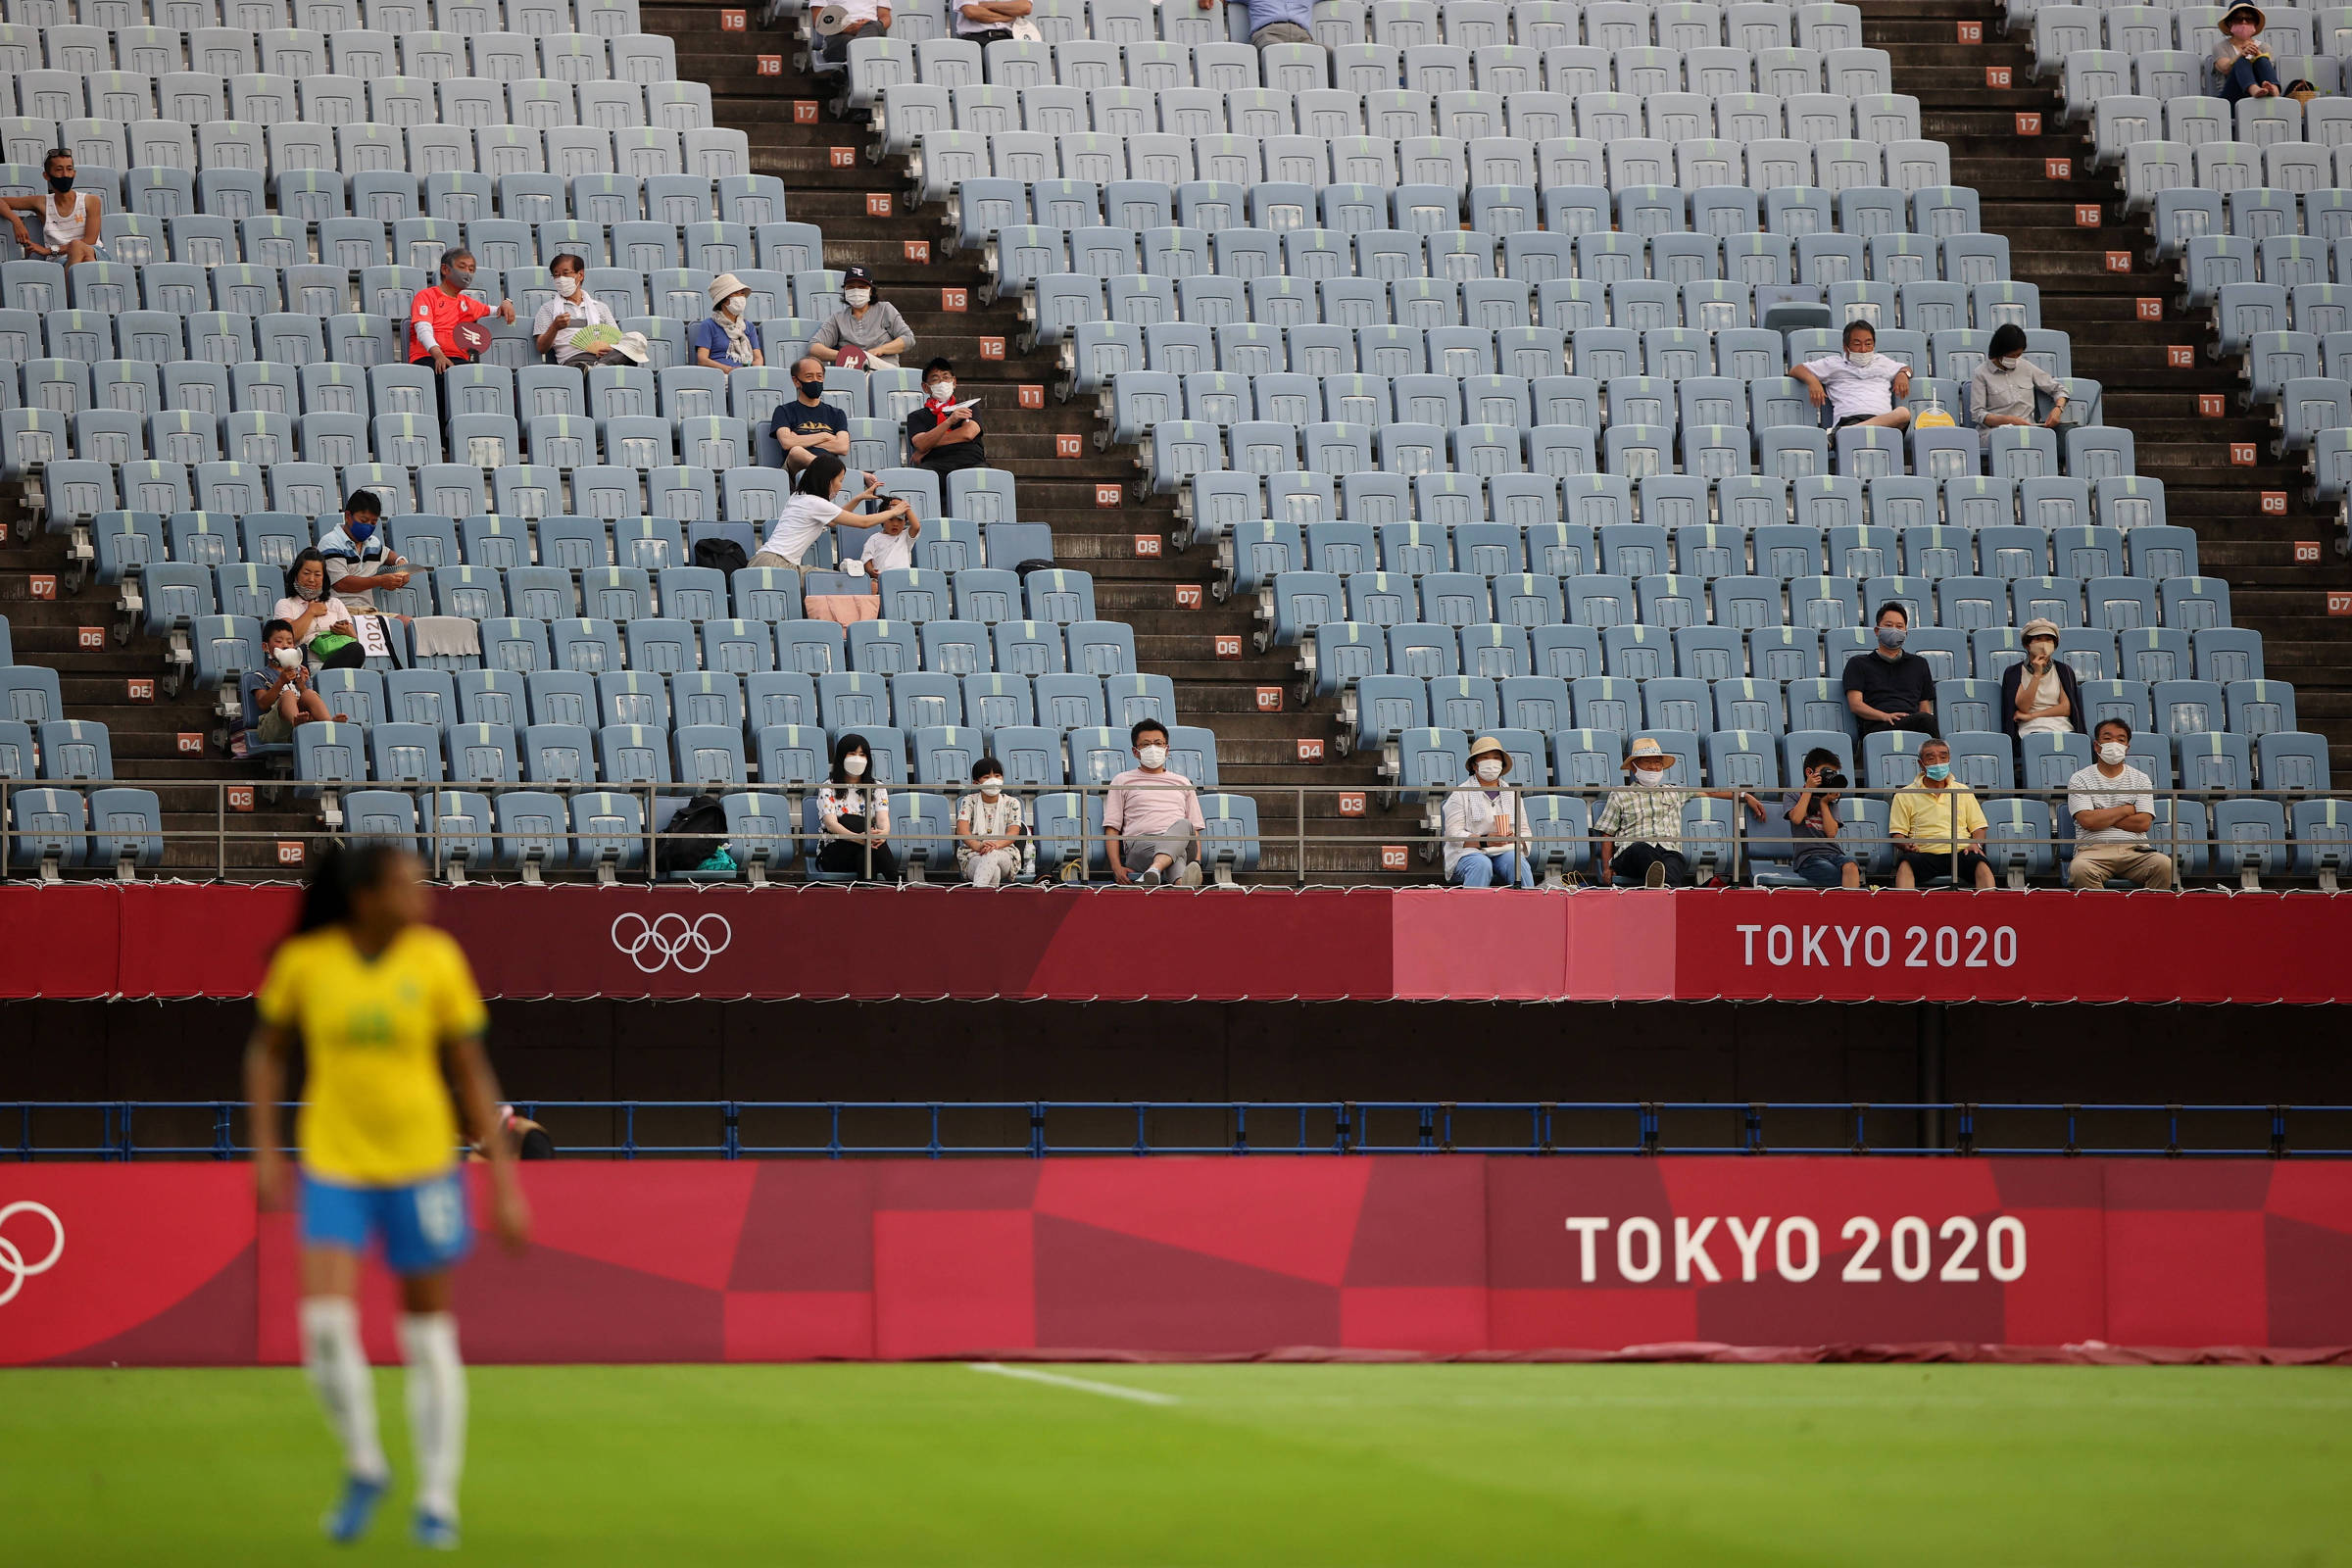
(561, 319)
(2041, 693)
(855, 815)
(816, 505)
(70, 219)
(1482, 826)
(988, 829)
(322, 623)
(2003, 389)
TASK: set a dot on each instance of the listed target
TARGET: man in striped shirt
(1641, 830)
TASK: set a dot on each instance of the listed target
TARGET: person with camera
(1886, 688)
(1813, 824)
(945, 438)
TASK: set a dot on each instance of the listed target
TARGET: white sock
(436, 1378)
(338, 1372)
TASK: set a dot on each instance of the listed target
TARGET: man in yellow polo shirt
(1931, 817)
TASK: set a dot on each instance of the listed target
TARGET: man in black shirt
(945, 438)
(807, 425)
(1890, 689)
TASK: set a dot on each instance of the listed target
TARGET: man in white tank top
(70, 219)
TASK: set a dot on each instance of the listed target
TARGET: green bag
(327, 644)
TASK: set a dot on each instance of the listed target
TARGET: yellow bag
(1933, 419)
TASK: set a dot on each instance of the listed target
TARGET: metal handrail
(1420, 836)
(1938, 1128)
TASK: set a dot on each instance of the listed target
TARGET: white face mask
(733, 307)
(1153, 755)
(1488, 769)
(2009, 364)
(856, 299)
(854, 767)
(1652, 777)
(569, 287)
(1862, 360)
(287, 657)
(942, 391)
(2114, 753)
(991, 788)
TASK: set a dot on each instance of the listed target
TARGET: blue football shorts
(425, 1225)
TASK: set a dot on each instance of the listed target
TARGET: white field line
(1082, 1384)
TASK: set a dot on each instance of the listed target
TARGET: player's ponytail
(339, 872)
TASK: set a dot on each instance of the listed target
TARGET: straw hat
(1489, 746)
(1646, 747)
(726, 284)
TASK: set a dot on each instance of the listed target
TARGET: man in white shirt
(987, 22)
(2114, 805)
(1482, 824)
(860, 19)
(1862, 385)
(571, 310)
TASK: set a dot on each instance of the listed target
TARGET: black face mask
(61, 183)
(811, 390)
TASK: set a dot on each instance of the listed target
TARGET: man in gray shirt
(877, 330)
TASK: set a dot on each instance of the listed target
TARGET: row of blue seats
(140, 199)
(2168, 74)
(128, 542)
(1173, 451)
(119, 830)
(1341, 653)
(1542, 24)
(2121, 116)
(1781, 554)
(684, 392)
(1292, 603)
(840, 700)
(2152, 168)
(1861, 521)
(1722, 107)
(1422, 762)
(190, 98)
(2061, 31)
(2252, 212)
(535, 17)
(569, 58)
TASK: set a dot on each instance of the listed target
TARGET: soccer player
(382, 1001)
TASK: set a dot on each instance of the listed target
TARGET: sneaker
(1150, 879)
(351, 1513)
(434, 1533)
(1192, 874)
(1657, 877)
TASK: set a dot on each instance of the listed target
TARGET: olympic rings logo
(11, 1257)
(669, 939)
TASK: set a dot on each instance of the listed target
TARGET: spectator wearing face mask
(1933, 816)
(2039, 694)
(854, 813)
(441, 323)
(1886, 688)
(821, 500)
(319, 620)
(725, 339)
(1641, 830)
(1481, 824)
(876, 331)
(2114, 804)
(556, 326)
(278, 697)
(944, 437)
(2002, 390)
(2242, 59)
(805, 425)
(1152, 816)
(988, 829)
(1862, 386)
(357, 560)
(70, 219)
(859, 18)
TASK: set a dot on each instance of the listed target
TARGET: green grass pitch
(1356, 1465)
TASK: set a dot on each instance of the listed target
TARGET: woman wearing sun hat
(724, 340)
(2242, 61)
(2039, 694)
(1482, 824)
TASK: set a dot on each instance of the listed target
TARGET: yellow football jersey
(376, 1107)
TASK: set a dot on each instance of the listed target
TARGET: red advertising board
(1262, 944)
(1454, 1256)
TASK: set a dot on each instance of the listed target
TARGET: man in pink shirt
(1152, 816)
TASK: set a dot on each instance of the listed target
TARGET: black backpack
(702, 821)
(721, 556)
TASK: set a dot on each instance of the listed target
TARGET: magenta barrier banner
(1433, 1257)
(1263, 944)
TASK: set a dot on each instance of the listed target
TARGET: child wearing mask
(990, 835)
(278, 697)
(1862, 386)
(70, 219)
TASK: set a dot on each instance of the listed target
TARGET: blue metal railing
(634, 1129)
